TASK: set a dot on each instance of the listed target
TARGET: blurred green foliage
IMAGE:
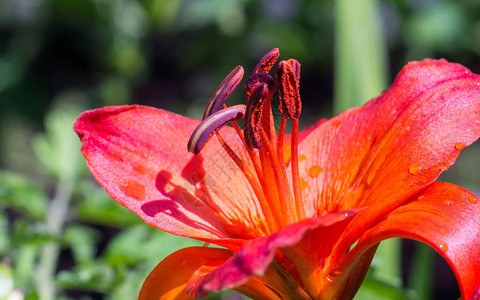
(61, 236)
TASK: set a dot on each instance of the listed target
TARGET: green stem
(360, 74)
(389, 257)
(360, 55)
(421, 272)
(56, 216)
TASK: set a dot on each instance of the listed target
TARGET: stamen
(270, 163)
(253, 155)
(267, 211)
(297, 187)
(281, 134)
(257, 79)
(253, 116)
(212, 124)
(267, 61)
(269, 180)
(288, 79)
(224, 90)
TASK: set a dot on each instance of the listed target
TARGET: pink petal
(139, 155)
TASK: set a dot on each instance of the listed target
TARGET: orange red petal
(305, 244)
(169, 278)
(380, 154)
(444, 216)
(139, 155)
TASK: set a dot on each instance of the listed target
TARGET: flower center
(276, 189)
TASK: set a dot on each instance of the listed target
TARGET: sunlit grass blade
(360, 74)
(420, 279)
(360, 68)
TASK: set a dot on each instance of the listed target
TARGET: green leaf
(141, 243)
(22, 194)
(375, 289)
(436, 27)
(360, 55)
(97, 276)
(96, 206)
(5, 242)
(58, 148)
(25, 233)
(421, 279)
(24, 266)
(387, 262)
(82, 240)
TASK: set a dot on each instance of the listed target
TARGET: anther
(288, 80)
(212, 124)
(267, 61)
(223, 91)
(253, 116)
(257, 79)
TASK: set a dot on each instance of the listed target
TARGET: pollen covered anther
(267, 61)
(256, 80)
(288, 80)
(212, 124)
(253, 116)
(224, 90)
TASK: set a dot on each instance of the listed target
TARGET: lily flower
(297, 215)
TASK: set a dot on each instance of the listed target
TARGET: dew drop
(460, 146)
(336, 272)
(447, 202)
(414, 169)
(443, 246)
(315, 171)
(472, 199)
(443, 168)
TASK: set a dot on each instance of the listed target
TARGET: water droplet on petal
(315, 171)
(443, 168)
(336, 272)
(460, 146)
(472, 199)
(414, 169)
(443, 246)
(447, 202)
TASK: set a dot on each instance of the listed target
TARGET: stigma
(278, 192)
